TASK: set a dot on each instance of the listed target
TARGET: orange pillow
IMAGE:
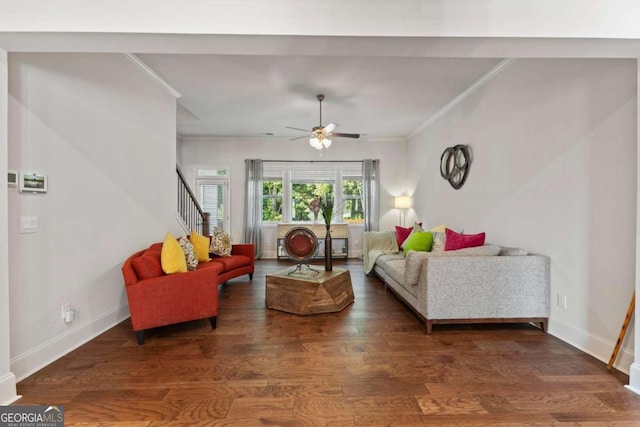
(147, 265)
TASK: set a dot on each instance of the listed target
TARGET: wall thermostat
(12, 178)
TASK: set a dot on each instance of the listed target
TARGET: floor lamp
(402, 203)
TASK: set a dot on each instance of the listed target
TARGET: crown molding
(464, 94)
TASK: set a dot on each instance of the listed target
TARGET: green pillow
(420, 241)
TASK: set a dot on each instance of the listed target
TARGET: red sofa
(158, 299)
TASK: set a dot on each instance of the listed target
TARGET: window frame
(274, 171)
(344, 175)
(288, 171)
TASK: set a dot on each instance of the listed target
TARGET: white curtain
(371, 185)
(253, 204)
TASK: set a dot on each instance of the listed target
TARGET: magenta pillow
(455, 240)
(402, 233)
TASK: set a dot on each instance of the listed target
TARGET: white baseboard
(272, 254)
(355, 254)
(594, 345)
(634, 378)
(37, 358)
(8, 389)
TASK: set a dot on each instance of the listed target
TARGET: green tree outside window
(352, 208)
(301, 196)
(272, 201)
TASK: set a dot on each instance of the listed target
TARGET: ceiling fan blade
(303, 130)
(330, 127)
(299, 137)
(345, 135)
(320, 133)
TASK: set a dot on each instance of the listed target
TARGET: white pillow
(438, 241)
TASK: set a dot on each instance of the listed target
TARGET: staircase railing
(189, 208)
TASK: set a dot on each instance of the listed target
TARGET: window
(213, 194)
(289, 189)
(352, 208)
(211, 172)
(272, 194)
(306, 185)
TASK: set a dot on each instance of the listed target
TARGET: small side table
(309, 292)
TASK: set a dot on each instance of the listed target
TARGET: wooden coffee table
(307, 292)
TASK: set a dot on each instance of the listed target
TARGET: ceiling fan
(320, 136)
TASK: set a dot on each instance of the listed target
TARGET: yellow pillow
(172, 256)
(439, 229)
(201, 245)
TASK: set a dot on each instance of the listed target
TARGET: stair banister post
(206, 223)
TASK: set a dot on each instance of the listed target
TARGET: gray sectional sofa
(486, 284)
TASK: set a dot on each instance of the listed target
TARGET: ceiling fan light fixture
(318, 137)
(315, 143)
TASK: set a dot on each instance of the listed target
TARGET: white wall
(7, 378)
(105, 136)
(232, 152)
(634, 371)
(554, 171)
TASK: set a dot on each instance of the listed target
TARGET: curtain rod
(312, 161)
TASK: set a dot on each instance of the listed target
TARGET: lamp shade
(403, 202)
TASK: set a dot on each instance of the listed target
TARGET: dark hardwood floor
(370, 364)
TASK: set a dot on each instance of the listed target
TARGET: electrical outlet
(67, 313)
(64, 310)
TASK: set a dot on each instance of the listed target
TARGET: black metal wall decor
(454, 165)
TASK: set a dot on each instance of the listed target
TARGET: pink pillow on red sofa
(455, 240)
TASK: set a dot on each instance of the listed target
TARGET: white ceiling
(254, 67)
(250, 95)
